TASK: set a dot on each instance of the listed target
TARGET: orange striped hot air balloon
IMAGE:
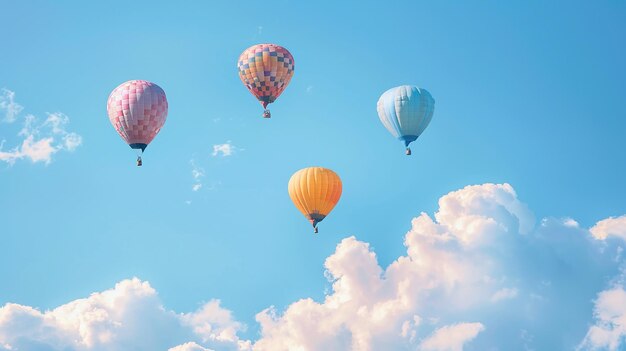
(266, 69)
(315, 191)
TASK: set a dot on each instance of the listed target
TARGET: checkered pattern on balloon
(266, 70)
(137, 110)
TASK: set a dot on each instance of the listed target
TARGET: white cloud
(481, 247)
(40, 150)
(445, 269)
(214, 324)
(475, 213)
(8, 105)
(71, 141)
(40, 141)
(224, 150)
(57, 122)
(570, 222)
(129, 316)
(452, 337)
(197, 173)
(611, 226)
(189, 346)
(37, 151)
(504, 294)
(482, 242)
(609, 331)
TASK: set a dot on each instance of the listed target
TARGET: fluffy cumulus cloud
(127, 317)
(38, 140)
(481, 274)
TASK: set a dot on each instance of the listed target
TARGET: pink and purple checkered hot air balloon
(137, 109)
(266, 69)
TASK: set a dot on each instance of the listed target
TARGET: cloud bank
(481, 274)
(127, 317)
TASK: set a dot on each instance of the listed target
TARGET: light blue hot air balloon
(406, 111)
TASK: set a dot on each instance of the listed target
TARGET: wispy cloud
(504, 294)
(41, 140)
(8, 105)
(40, 150)
(309, 89)
(452, 337)
(197, 173)
(258, 32)
(224, 150)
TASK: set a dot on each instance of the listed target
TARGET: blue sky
(529, 94)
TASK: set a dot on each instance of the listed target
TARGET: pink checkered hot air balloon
(266, 69)
(137, 109)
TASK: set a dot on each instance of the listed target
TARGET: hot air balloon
(137, 110)
(315, 191)
(266, 69)
(406, 111)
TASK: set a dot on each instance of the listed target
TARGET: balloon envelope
(137, 110)
(266, 69)
(406, 111)
(315, 191)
